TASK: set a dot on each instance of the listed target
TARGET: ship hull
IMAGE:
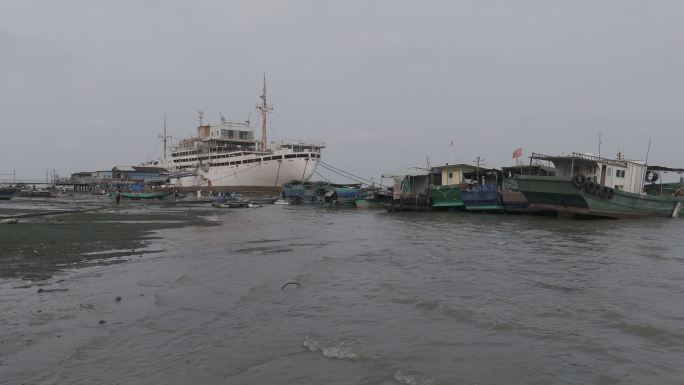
(6, 195)
(562, 196)
(257, 173)
(447, 196)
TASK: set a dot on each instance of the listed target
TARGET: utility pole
(479, 161)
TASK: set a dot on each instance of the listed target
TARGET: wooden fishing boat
(138, 195)
(138, 190)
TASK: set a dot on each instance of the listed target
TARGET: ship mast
(165, 137)
(264, 108)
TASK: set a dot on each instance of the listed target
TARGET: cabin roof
(665, 169)
(149, 169)
(411, 172)
(140, 169)
(528, 168)
(459, 166)
(580, 158)
(123, 168)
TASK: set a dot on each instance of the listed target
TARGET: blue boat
(304, 193)
(482, 197)
(7, 193)
(341, 197)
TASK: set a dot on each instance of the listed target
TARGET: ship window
(245, 135)
(451, 175)
(229, 134)
(290, 156)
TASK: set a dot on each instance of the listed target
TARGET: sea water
(400, 298)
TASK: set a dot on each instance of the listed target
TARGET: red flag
(517, 153)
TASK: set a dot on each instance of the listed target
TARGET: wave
(341, 350)
(407, 378)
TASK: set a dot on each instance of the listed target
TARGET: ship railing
(298, 142)
(577, 155)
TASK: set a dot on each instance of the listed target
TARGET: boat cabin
(619, 173)
(454, 174)
(224, 137)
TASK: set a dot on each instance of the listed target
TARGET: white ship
(228, 155)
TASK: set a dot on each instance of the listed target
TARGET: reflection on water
(406, 298)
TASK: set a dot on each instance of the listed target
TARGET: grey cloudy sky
(85, 84)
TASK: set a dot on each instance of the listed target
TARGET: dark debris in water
(41, 290)
(291, 283)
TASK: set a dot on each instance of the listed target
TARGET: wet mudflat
(68, 232)
(406, 298)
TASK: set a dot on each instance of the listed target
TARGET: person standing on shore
(118, 196)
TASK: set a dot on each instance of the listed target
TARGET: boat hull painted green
(141, 195)
(446, 197)
(561, 195)
(369, 204)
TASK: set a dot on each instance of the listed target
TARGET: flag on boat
(451, 144)
(517, 153)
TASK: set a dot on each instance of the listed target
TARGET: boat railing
(577, 155)
(298, 142)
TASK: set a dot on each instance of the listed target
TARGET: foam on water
(408, 378)
(341, 350)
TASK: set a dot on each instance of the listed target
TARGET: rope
(234, 172)
(326, 179)
(356, 177)
(345, 176)
(304, 172)
(275, 184)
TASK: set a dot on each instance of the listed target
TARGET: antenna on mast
(479, 161)
(643, 177)
(165, 138)
(223, 118)
(265, 109)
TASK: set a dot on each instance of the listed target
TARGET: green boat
(139, 195)
(587, 186)
(373, 198)
(445, 191)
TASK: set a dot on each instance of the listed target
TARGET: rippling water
(406, 298)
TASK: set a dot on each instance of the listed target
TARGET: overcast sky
(84, 85)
